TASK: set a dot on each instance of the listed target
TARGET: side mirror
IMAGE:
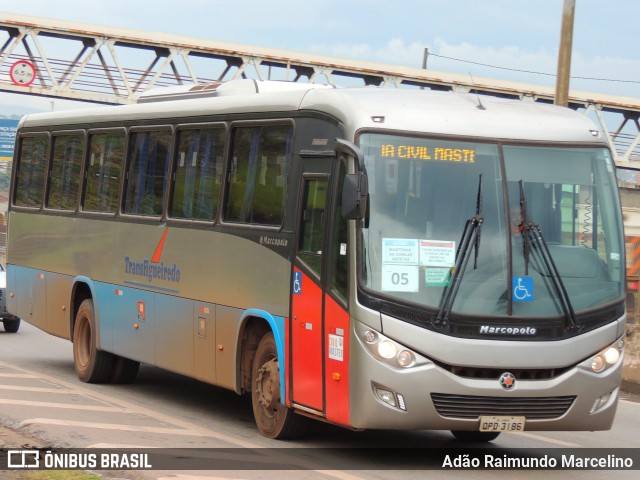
(354, 196)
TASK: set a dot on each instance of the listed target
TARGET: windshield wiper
(532, 237)
(470, 239)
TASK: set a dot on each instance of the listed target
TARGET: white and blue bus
(374, 258)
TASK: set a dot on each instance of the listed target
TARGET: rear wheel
(273, 418)
(11, 326)
(92, 365)
(124, 370)
(474, 436)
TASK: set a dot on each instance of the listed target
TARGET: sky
(463, 36)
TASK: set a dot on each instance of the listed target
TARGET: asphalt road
(44, 405)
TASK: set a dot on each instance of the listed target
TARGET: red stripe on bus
(158, 253)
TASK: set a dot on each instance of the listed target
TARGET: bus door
(319, 317)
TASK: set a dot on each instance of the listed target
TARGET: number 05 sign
(400, 278)
(22, 73)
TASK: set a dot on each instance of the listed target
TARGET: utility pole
(564, 53)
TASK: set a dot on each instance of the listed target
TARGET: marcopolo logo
(153, 269)
(489, 330)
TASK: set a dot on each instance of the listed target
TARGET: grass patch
(60, 475)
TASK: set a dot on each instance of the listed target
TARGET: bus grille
(472, 407)
(494, 373)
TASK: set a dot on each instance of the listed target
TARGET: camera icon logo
(19, 459)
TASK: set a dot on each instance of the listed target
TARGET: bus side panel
(127, 322)
(204, 342)
(12, 304)
(174, 333)
(336, 362)
(227, 358)
(30, 296)
(58, 309)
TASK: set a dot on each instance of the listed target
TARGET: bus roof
(448, 113)
(402, 110)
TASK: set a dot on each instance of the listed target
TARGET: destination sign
(424, 152)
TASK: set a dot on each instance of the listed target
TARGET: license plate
(502, 424)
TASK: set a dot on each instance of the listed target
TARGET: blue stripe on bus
(146, 286)
(277, 327)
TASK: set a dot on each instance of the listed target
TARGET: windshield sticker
(437, 253)
(400, 251)
(522, 289)
(400, 278)
(437, 277)
(400, 270)
(424, 152)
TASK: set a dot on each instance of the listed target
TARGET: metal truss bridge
(91, 63)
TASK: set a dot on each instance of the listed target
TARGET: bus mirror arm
(348, 148)
(354, 196)
(355, 189)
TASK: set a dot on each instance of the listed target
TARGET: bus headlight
(612, 355)
(607, 357)
(598, 363)
(405, 358)
(388, 350)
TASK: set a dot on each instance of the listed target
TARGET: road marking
(18, 375)
(195, 477)
(111, 426)
(133, 408)
(33, 389)
(540, 438)
(185, 425)
(70, 406)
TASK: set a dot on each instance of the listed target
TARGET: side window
(148, 163)
(258, 174)
(103, 172)
(198, 173)
(32, 164)
(312, 224)
(64, 177)
(339, 244)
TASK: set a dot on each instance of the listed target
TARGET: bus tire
(474, 436)
(11, 326)
(92, 365)
(124, 370)
(273, 418)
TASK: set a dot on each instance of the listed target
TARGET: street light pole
(564, 54)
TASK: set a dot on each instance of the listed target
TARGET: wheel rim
(268, 387)
(84, 342)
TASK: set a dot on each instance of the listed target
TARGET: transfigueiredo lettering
(152, 271)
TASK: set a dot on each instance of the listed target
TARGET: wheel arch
(82, 290)
(254, 324)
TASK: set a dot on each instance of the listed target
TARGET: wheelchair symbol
(297, 283)
(522, 288)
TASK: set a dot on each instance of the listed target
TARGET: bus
(372, 258)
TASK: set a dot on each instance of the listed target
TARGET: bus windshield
(422, 193)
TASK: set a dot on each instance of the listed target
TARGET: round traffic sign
(22, 73)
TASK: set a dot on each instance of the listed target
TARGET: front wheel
(273, 418)
(92, 365)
